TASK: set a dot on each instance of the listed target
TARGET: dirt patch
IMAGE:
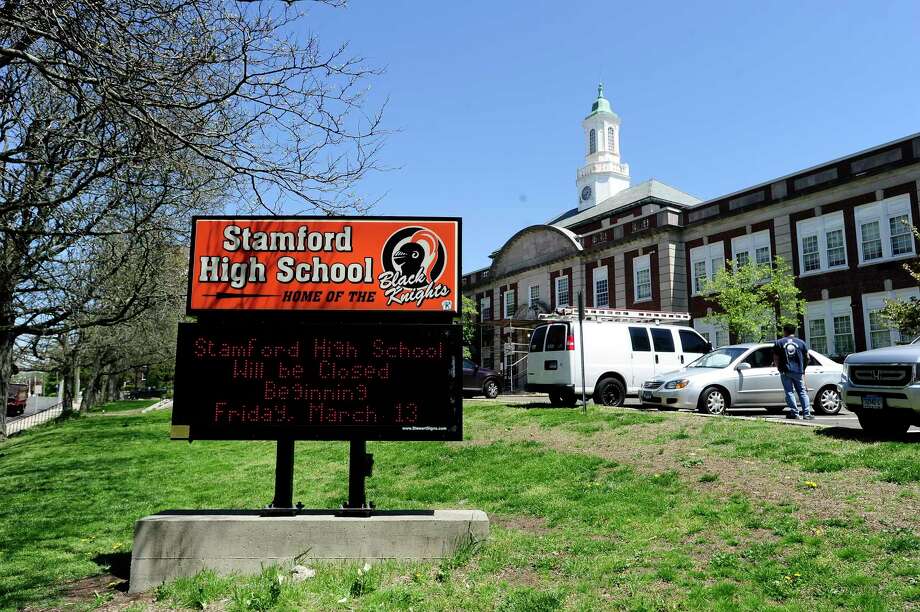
(530, 524)
(673, 445)
(104, 592)
(517, 576)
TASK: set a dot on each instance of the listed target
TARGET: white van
(621, 352)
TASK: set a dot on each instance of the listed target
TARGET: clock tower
(603, 174)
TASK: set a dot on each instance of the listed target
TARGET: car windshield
(720, 358)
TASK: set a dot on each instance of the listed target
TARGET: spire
(601, 104)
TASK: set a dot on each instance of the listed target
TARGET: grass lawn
(613, 509)
(125, 405)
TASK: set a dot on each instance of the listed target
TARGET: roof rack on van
(607, 314)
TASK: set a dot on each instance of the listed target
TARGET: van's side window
(555, 338)
(692, 342)
(536, 340)
(639, 337)
(664, 340)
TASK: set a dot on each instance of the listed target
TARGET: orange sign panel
(325, 264)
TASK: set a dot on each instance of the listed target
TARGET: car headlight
(677, 384)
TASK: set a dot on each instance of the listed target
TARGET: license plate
(872, 402)
(646, 395)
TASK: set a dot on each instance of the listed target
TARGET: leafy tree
(469, 315)
(905, 314)
(121, 118)
(755, 300)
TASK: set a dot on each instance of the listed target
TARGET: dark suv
(480, 381)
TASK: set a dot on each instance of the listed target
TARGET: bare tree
(120, 118)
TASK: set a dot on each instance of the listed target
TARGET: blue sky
(488, 96)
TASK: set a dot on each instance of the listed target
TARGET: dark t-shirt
(792, 355)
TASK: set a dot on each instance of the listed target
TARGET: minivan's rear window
(639, 337)
(536, 340)
(555, 337)
(663, 339)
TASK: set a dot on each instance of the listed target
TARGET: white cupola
(603, 174)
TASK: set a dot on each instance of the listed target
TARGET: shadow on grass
(118, 565)
(858, 435)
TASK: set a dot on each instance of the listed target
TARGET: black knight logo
(413, 260)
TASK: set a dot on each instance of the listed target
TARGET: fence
(42, 415)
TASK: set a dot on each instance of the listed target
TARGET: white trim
(826, 310)
(568, 291)
(717, 336)
(882, 211)
(530, 296)
(642, 263)
(600, 274)
(820, 227)
(505, 312)
(706, 254)
(749, 243)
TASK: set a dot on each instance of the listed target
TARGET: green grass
(124, 405)
(609, 536)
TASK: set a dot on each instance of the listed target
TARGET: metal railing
(17, 424)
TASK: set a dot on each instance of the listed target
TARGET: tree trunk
(91, 391)
(6, 371)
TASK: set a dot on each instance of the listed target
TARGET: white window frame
(749, 243)
(821, 227)
(600, 274)
(531, 298)
(882, 211)
(485, 304)
(642, 262)
(568, 291)
(716, 335)
(511, 293)
(827, 310)
(707, 253)
(876, 301)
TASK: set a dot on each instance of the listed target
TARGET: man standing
(790, 356)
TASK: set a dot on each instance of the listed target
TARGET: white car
(742, 375)
(619, 357)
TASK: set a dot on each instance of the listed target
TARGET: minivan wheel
(827, 400)
(555, 399)
(490, 388)
(610, 392)
(713, 401)
(567, 398)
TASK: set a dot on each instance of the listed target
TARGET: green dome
(601, 104)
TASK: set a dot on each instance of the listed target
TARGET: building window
(884, 230)
(510, 305)
(817, 335)
(601, 292)
(592, 139)
(562, 291)
(822, 243)
(642, 278)
(878, 334)
(829, 326)
(752, 247)
(533, 297)
(485, 309)
(610, 139)
(717, 336)
(705, 261)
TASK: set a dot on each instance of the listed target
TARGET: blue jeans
(794, 385)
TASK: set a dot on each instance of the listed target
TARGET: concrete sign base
(179, 543)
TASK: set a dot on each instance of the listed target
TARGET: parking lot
(844, 419)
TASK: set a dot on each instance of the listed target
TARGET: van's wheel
(567, 398)
(882, 424)
(490, 388)
(610, 392)
(713, 401)
(827, 400)
(555, 399)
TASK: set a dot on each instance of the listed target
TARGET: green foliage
(468, 319)
(756, 300)
(905, 314)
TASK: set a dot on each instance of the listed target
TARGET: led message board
(321, 264)
(318, 382)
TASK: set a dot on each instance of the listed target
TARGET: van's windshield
(720, 358)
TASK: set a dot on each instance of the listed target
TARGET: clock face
(586, 193)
